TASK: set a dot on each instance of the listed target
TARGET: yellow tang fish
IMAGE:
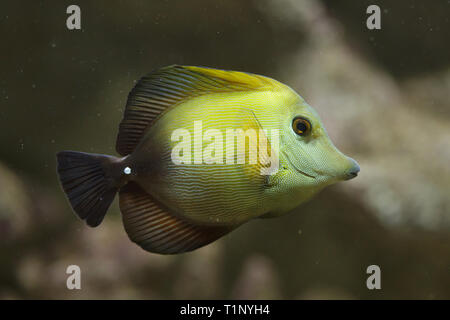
(204, 151)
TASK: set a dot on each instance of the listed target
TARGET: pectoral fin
(265, 153)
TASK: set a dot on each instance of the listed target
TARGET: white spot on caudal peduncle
(127, 170)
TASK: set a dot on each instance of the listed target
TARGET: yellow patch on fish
(204, 151)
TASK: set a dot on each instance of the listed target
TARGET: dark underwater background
(384, 96)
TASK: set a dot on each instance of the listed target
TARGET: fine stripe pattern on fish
(179, 188)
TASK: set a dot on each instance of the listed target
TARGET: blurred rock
(200, 273)
(325, 293)
(430, 92)
(257, 280)
(31, 272)
(15, 207)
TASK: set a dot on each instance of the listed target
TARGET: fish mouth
(297, 169)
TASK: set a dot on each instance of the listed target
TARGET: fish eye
(301, 126)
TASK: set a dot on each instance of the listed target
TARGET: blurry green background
(384, 96)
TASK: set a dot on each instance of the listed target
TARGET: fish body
(183, 180)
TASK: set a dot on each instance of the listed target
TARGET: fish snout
(353, 171)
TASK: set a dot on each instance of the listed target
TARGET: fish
(201, 152)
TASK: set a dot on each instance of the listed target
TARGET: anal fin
(155, 229)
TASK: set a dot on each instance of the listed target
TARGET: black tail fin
(87, 181)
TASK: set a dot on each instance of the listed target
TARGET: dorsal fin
(168, 86)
